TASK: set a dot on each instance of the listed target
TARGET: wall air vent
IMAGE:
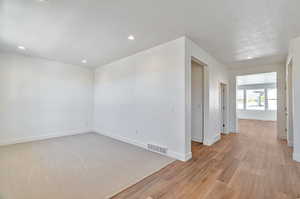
(157, 149)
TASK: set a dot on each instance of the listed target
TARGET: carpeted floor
(87, 166)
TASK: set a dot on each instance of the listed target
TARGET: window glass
(240, 99)
(272, 99)
(255, 99)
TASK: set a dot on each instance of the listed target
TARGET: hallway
(252, 164)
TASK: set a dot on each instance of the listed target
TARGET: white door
(197, 102)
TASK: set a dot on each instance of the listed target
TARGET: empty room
(149, 99)
(257, 104)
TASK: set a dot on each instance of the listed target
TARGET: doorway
(197, 101)
(256, 102)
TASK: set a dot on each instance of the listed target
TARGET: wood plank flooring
(253, 164)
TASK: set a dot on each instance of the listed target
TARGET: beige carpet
(87, 166)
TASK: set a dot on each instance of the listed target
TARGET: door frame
(202, 102)
(289, 103)
(188, 105)
(222, 108)
(280, 98)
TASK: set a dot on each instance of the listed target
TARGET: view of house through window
(255, 99)
(256, 96)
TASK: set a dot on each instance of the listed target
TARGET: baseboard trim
(296, 157)
(209, 142)
(188, 156)
(197, 140)
(172, 154)
(290, 143)
(283, 137)
(44, 137)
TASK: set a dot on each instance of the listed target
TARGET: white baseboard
(43, 137)
(172, 154)
(283, 137)
(179, 156)
(188, 156)
(121, 138)
(290, 143)
(209, 142)
(296, 157)
(197, 140)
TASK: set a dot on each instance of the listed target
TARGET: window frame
(265, 87)
(249, 91)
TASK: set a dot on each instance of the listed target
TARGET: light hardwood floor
(253, 164)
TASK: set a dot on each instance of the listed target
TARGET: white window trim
(266, 87)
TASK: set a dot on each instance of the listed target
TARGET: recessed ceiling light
(249, 57)
(84, 61)
(41, 0)
(131, 37)
(21, 48)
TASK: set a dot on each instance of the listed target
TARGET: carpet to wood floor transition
(251, 165)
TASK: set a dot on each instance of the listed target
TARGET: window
(272, 99)
(240, 99)
(257, 92)
(255, 99)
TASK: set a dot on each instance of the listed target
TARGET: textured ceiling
(262, 78)
(71, 30)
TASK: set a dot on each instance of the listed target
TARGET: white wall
(41, 99)
(145, 98)
(141, 99)
(295, 55)
(242, 70)
(215, 73)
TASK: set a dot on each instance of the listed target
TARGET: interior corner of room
(143, 99)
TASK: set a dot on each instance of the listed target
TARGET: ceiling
(236, 32)
(262, 78)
